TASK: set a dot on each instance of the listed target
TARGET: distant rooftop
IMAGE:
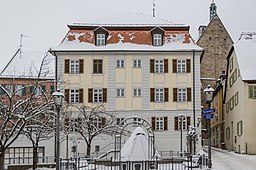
(27, 65)
(131, 19)
(245, 50)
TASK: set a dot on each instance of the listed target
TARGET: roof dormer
(100, 36)
(157, 36)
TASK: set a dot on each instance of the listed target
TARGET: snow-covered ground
(227, 160)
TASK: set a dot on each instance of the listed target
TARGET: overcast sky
(45, 21)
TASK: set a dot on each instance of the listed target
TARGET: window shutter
(52, 89)
(175, 94)
(250, 92)
(188, 65)
(174, 66)
(90, 95)
(23, 92)
(165, 65)
(152, 65)
(188, 121)
(105, 95)
(152, 94)
(189, 94)
(81, 96)
(31, 89)
(176, 123)
(67, 66)
(81, 66)
(166, 94)
(67, 95)
(153, 122)
(43, 88)
(165, 123)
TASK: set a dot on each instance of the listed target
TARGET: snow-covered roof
(130, 34)
(130, 19)
(245, 50)
(26, 64)
(136, 147)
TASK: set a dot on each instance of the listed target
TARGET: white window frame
(101, 39)
(159, 95)
(240, 128)
(137, 120)
(159, 125)
(74, 66)
(120, 92)
(97, 95)
(159, 66)
(120, 63)
(157, 39)
(74, 96)
(136, 92)
(136, 63)
(119, 120)
(97, 122)
(184, 123)
(182, 95)
(181, 66)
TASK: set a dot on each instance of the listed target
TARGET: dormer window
(157, 36)
(101, 40)
(100, 36)
(157, 39)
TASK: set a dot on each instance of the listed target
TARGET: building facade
(240, 95)
(150, 70)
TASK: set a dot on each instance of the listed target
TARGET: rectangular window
(240, 128)
(157, 39)
(228, 133)
(119, 121)
(136, 63)
(74, 96)
(74, 66)
(159, 66)
(18, 90)
(182, 95)
(98, 122)
(101, 40)
(181, 66)
(137, 120)
(120, 63)
(137, 92)
(182, 123)
(159, 123)
(97, 66)
(120, 92)
(159, 95)
(97, 95)
(231, 65)
(252, 92)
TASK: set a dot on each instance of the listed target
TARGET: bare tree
(90, 123)
(19, 111)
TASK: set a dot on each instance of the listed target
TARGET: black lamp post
(181, 117)
(58, 101)
(209, 97)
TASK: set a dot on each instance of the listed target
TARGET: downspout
(194, 107)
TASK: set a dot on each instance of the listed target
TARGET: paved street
(226, 160)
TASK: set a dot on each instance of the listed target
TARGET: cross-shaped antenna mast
(154, 5)
(21, 36)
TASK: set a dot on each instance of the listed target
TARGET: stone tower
(216, 41)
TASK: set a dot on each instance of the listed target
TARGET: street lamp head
(58, 98)
(209, 93)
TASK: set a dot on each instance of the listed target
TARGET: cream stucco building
(149, 69)
(240, 96)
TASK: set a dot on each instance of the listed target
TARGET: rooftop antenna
(154, 5)
(21, 36)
